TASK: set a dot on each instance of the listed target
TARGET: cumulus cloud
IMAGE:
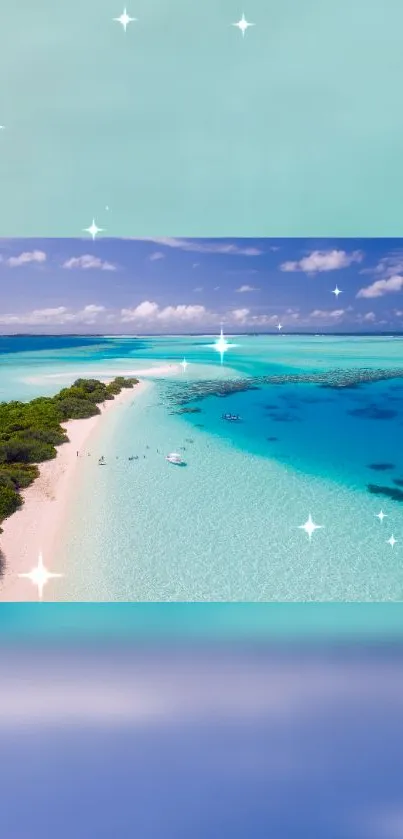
(389, 265)
(245, 288)
(142, 311)
(202, 246)
(150, 311)
(87, 261)
(327, 314)
(319, 261)
(264, 320)
(381, 287)
(157, 256)
(239, 315)
(25, 258)
(57, 316)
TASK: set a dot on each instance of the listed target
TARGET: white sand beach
(34, 528)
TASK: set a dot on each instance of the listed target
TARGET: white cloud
(157, 256)
(239, 315)
(148, 311)
(245, 288)
(326, 314)
(198, 288)
(388, 265)
(87, 261)
(144, 310)
(381, 287)
(182, 313)
(369, 317)
(25, 258)
(57, 316)
(319, 261)
(202, 246)
(264, 320)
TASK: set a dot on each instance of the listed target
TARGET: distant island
(30, 432)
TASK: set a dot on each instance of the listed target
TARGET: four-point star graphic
(279, 326)
(93, 229)
(124, 19)
(184, 364)
(336, 291)
(39, 576)
(310, 527)
(392, 541)
(381, 516)
(243, 25)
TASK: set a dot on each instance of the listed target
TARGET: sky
(171, 285)
(166, 742)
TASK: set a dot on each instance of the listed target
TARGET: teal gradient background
(181, 127)
(192, 622)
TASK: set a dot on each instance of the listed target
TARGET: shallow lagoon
(226, 527)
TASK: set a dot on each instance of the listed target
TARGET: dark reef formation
(181, 394)
(373, 412)
(285, 417)
(188, 411)
(381, 467)
(390, 492)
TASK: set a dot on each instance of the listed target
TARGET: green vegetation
(30, 432)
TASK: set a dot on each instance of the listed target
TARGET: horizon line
(391, 333)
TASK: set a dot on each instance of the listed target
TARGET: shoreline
(34, 528)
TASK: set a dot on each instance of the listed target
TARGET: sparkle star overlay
(336, 291)
(310, 527)
(184, 364)
(221, 345)
(93, 230)
(39, 576)
(243, 25)
(124, 19)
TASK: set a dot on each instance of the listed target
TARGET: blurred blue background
(271, 724)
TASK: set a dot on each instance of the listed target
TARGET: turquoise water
(226, 526)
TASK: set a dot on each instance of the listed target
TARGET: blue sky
(151, 286)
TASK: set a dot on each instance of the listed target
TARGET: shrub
(73, 408)
(18, 476)
(25, 451)
(10, 501)
(29, 432)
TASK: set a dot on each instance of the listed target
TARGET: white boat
(231, 417)
(174, 457)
